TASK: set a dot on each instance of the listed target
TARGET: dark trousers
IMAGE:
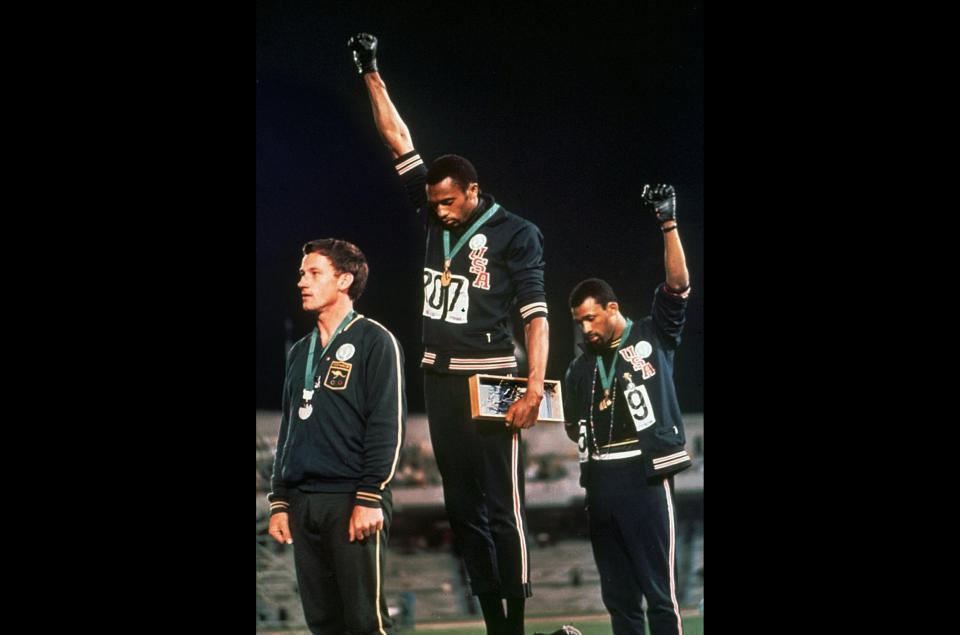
(483, 488)
(633, 534)
(341, 582)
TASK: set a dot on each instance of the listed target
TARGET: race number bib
(449, 303)
(639, 403)
(582, 454)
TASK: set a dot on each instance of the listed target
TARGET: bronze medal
(445, 278)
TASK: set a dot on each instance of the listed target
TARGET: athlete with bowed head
(482, 263)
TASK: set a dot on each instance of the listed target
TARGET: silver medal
(306, 409)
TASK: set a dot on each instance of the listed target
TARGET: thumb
(285, 532)
(510, 415)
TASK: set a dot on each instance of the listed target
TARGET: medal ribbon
(311, 369)
(606, 378)
(447, 253)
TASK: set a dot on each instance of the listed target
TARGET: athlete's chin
(595, 346)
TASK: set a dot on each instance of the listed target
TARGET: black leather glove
(364, 49)
(661, 200)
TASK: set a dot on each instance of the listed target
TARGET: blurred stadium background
(425, 581)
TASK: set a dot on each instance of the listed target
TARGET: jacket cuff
(278, 498)
(669, 464)
(677, 293)
(407, 162)
(369, 498)
(534, 308)
(279, 505)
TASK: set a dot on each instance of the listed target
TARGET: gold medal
(608, 378)
(606, 402)
(445, 278)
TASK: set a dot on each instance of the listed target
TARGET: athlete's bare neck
(619, 325)
(330, 317)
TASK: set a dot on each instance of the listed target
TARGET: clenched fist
(661, 200)
(364, 49)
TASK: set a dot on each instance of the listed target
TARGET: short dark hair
(601, 292)
(345, 258)
(459, 169)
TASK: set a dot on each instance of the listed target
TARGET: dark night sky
(566, 113)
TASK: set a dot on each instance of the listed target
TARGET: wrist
(534, 391)
(366, 66)
(668, 226)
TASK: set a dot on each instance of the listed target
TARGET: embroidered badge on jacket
(478, 264)
(636, 355)
(338, 375)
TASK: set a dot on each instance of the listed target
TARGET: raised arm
(662, 201)
(393, 131)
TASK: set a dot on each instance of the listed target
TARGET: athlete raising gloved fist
(622, 411)
(662, 201)
(364, 49)
(482, 270)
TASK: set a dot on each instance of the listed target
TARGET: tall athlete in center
(481, 263)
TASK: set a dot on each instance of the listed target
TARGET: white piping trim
(525, 313)
(480, 360)
(614, 445)
(347, 327)
(409, 164)
(670, 562)
(670, 457)
(481, 366)
(411, 159)
(516, 510)
(613, 456)
(527, 307)
(379, 615)
(671, 463)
